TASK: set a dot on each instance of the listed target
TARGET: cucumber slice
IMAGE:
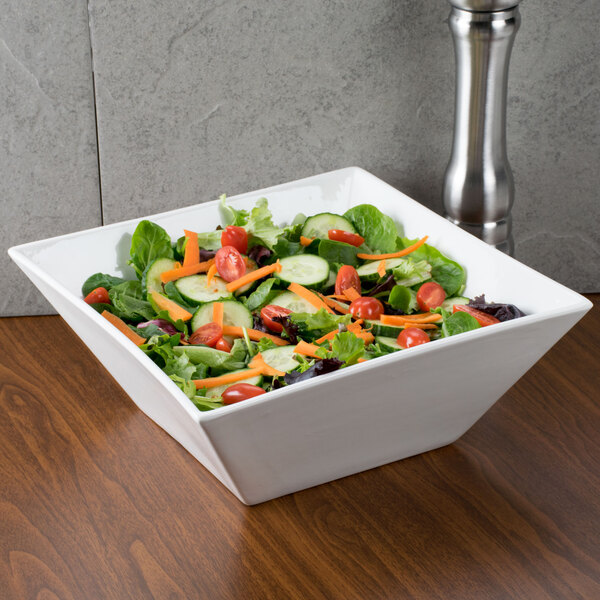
(319, 225)
(294, 302)
(388, 343)
(217, 392)
(281, 358)
(151, 278)
(368, 271)
(234, 313)
(378, 329)
(306, 269)
(448, 303)
(194, 289)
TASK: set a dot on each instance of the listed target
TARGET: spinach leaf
(262, 295)
(285, 247)
(457, 323)
(129, 303)
(403, 298)
(338, 252)
(448, 273)
(149, 242)
(173, 293)
(100, 280)
(379, 230)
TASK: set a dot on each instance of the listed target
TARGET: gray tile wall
(197, 98)
(48, 158)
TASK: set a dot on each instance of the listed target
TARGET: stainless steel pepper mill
(478, 185)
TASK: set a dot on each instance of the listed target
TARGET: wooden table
(98, 502)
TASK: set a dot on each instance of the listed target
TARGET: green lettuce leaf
(129, 303)
(149, 242)
(379, 230)
(347, 347)
(411, 272)
(231, 216)
(312, 326)
(260, 224)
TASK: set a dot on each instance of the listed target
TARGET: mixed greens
(250, 307)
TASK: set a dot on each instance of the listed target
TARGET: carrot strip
(253, 276)
(394, 254)
(381, 268)
(327, 336)
(306, 349)
(138, 340)
(192, 250)
(341, 297)
(361, 360)
(253, 334)
(332, 304)
(175, 311)
(212, 382)
(218, 312)
(309, 296)
(258, 362)
(408, 324)
(401, 320)
(304, 241)
(174, 274)
(351, 294)
(212, 271)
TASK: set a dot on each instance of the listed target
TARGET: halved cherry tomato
(240, 391)
(97, 296)
(230, 263)
(339, 235)
(347, 277)
(482, 318)
(366, 308)
(268, 312)
(411, 336)
(430, 296)
(208, 335)
(223, 345)
(236, 237)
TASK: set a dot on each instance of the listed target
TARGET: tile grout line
(95, 113)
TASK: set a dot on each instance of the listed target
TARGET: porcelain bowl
(334, 425)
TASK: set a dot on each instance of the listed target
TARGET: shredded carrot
(309, 296)
(351, 294)
(394, 254)
(408, 324)
(218, 311)
(414, 317)
(212, 271)
(179, 272)
(138, 340)
(175, 311)
(306, 349)
(253, 334)
(355, 328)
(341, 297)
(304, 241)
(258, 362)
(335, 305)
(381, 268)
(401, 319)
(192, 250)
(361, 360)
(212, 382)
(253, 276)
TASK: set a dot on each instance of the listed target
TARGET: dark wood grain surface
(97, 502)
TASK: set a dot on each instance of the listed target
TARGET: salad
(250, 307)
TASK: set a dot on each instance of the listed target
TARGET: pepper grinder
(478, 184)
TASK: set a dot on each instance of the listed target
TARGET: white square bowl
(336, 424)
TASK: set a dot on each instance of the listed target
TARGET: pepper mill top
(484, 5)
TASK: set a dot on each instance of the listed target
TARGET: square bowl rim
(579, 303)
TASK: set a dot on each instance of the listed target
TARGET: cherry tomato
(236, 237)
(270, 311)
(366, 308)
(347, 277)
(230, 263)
(223, 345)
(482, 318)
(208, 335)
(430, 295)
(412, 336)
(339, 235)
(97, 296)
(241, 391)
